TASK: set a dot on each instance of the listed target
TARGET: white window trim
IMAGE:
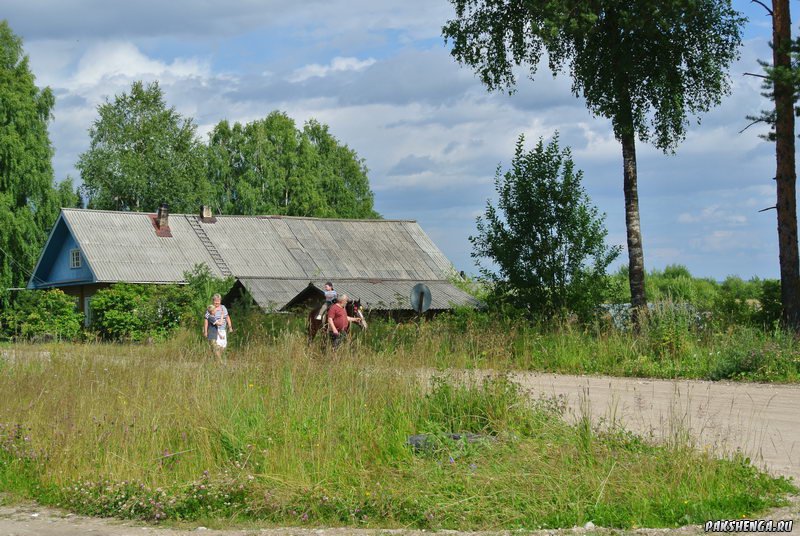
(73, 257)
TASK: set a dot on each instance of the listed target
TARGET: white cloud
(713, 214)
(124, 62)
(337, 65)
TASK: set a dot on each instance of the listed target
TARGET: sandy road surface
(761, 420)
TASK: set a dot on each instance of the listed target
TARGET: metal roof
(123, 246)
(334, 249)
(273, 294)
(374, 294)
(275, 257)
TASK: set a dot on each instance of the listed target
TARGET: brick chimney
(205, 214)
(162, 217)
(160, 221)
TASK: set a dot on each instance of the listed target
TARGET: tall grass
(290, 434)
(674, 342)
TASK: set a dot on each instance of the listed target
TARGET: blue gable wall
(53, 268)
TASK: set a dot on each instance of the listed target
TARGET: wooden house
(277, 260)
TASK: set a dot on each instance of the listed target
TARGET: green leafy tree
(269, 166)
(68, 195)
(546, 239)
(28, 205)
(644, 64)
(41, 314)
(143, 153)
(342, 175)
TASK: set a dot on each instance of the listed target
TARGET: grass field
(290, 435)
(672, 344)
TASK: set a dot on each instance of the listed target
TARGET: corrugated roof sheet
(274, 257)
(273, 294)
(123, 246)
(374, 294)
(334, 249)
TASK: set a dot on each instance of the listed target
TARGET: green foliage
(68, 195)
(28, 204)
(545, 237)
(131, 312)
(771, 308)
(269, 166)
(643, 64)
(201, 285)
(123, 312)
(141, 154)
(781, 74)
(734, 301)
(750, 355)
(42, 314)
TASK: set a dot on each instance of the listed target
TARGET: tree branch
(769, 208)
(751, 124)
(756, 75)
(762, 4)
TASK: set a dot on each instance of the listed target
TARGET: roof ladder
(194, 221)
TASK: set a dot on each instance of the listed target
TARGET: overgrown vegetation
(673, 342)
(545, 241)
(128, 312)
(123, 312)
(285, 436)
(41, 315)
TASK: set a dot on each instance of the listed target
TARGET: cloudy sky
(379, 74)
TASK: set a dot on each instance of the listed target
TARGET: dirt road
(763, 421)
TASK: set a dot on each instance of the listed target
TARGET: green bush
(131, 312)
(42, 314)
(123, 312)
(771, 308)
(669, 327)
(543, 247)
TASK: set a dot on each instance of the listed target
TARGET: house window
(75, 258)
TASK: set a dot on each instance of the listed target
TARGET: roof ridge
(342, 279)
(247, 216)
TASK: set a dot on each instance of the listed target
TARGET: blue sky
(380, 75)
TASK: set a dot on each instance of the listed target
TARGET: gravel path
(760, 420)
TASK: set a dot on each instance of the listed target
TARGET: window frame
(75, 259)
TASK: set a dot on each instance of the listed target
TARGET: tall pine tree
(28, 202)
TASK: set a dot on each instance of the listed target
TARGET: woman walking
(217, 325)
